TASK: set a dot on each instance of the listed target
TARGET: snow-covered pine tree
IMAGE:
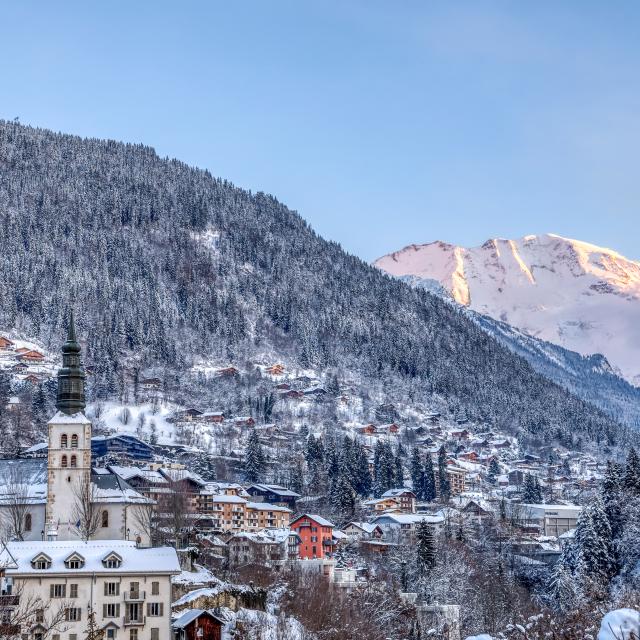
(416, 471)
(254, 459)
(443, 476)
(428, 480)
(631, 479)
(425, 547)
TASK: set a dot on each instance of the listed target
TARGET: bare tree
(15, 501)
(20, 612)
(145, 519)
(85, 509)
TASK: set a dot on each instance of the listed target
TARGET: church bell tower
(69, 463)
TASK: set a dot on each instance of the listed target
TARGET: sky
(381, 123)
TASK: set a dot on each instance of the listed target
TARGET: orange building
(316, 535)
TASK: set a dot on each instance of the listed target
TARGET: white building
(55, 586)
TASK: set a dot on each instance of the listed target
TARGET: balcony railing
(9, 600)
(134, 622)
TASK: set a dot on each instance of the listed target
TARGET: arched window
(74, 441)
(63, 464)
(63, 441)
(105, 518)
(27, 522)
(74, 462)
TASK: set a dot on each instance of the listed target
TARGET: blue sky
(382, 123)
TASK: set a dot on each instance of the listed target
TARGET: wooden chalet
(30, 355)
(198, 624)
(6, 344)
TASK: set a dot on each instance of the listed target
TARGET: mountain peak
(570, 292)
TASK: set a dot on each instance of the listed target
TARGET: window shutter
(79, 613)
(105, 588)
(51, 591)
(104, 608)
(117, 588)
(148, 608)
(162, 608)
(118, 610)
(64, 590)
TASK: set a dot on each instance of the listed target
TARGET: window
(112, 561)
(74, 441)
(111, 610)
(63, 441)
(111, 633)
(74, 462)
(73, 590)
(58, 590)
(73, 614)
(41, 562)
(64, 463)
(155, 633)
(74, 561)
(105, 518)
(73, 636)
(55, 636)
(133, 634)
(314, 538)
(313, 550)
(27, 522)
(155, 608)
(111, 588)
(155, 588)
(40, 616)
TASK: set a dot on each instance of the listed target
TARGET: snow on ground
(201, 576)
(482, 636)
(621, 624)
(112, 418)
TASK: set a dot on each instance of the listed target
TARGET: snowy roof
(158, 560)
(323, 522)
(126, 473)
(191, 615)
(63, 418)
(396, 492)
(367, 527)
(266, 506)
(409, 518)
(37, 447)
(275, 488)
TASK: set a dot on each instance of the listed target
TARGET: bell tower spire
(71, 375)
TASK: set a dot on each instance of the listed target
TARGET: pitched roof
(323, 522)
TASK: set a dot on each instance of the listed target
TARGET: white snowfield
(580, 296)
(621, 624)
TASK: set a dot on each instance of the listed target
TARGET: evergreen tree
(564, 591)
(398, 473)
(631, 480)
(417, 473)
(612, 499)
(493, 472)
(531, 490)
(425, 547)
(428, 480)
(254, 459)
(345, 499)
(443, 476)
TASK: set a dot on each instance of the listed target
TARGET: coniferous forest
(165, 264)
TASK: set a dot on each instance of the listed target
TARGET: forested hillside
(165, 263)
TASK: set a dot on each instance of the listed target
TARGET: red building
(197, 624)
(316, 535)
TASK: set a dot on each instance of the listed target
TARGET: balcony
(138, 621)
(9, 601)
(134, 596)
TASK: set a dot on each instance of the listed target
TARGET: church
(65, 498)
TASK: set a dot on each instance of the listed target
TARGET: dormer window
(74, 441)
(74, 561)
(112, 561)
(63, 441)
(42, 562)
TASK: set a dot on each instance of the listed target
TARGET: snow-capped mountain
(578, 295)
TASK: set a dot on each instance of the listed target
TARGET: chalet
(186, 415)
(6, 344)
(292, 394)
(150, 384)
(275, 369)
(396, 525)
(274, 494)
(388, 428)
(433, 418)
(459, 434)
(316, 536)
(283, 386)
(304, 380)
(500, 444)
(470, 456)
(244, 421)
(363, 531)
(197, 624)
(13, 403)
(405, 497)
(31, 356)
(367, 429)
(213, 416)
(32, 378)
(122, 446)
(379, 505)
(227, 372)
(477, 507)
(262, 547)
(315, 391)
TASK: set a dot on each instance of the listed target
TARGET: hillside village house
(548, 519)
(6, 344)
(316, 536)
(397, 526)
(198, 624)
(126, 587)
